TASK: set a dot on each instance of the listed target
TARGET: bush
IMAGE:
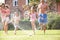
(10, 26)
(53, 21)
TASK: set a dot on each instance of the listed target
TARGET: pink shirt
(7, 12)
(3, 12)
(33, 16)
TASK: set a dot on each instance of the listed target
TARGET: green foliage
(10, 26)
(53, 21)
(57, 0)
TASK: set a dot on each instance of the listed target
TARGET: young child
(16, 19)
(33, 19)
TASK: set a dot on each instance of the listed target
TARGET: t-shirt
(7, 12)
(3, 13)
(16, 19)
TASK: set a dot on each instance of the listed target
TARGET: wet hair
(7, 6)
(3, 5)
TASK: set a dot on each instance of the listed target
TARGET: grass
(24, 35)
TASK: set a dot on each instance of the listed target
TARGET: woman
(3, 14)
(7, 10)
(5, 17)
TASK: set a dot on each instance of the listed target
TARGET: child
(16, 19)
(33, 19)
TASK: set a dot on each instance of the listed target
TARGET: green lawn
(24, 35)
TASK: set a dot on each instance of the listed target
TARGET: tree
(52, 5)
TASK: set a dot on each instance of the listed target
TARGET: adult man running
(42, 16)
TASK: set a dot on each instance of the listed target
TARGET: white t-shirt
(16, 19)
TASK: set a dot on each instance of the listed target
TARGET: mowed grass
(24, 35)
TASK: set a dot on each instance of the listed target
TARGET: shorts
(42, 18)
(5, 19)
(16, 25)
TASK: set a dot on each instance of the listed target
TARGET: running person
(16, 19)
(33, 19)
(5, 17)
(42, 16)
(7, 14)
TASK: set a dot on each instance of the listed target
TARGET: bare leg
(15, 30)
(41, 25)
(44, 27)
(6, 27)
(33, 26)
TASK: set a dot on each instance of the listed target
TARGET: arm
(38, 9)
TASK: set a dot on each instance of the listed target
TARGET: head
(6, 7)
(42, 1)
(3, 5)
(16, 14)
(32, 9)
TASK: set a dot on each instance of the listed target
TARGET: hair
(42, 0)
(7, 6)
(3, 5)
(0, 5)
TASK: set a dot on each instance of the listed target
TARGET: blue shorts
(42, 18)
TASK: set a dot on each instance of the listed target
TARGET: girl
(33, 19)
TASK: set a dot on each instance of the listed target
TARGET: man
(42, 16)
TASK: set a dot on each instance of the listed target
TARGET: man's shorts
(42, 18)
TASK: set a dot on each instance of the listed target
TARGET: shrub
(53, 21)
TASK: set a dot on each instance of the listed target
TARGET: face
(6, 7)
(42, 1)
(16, 14)
(32, 11)
(3, 6)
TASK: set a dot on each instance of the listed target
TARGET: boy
(16, 19)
